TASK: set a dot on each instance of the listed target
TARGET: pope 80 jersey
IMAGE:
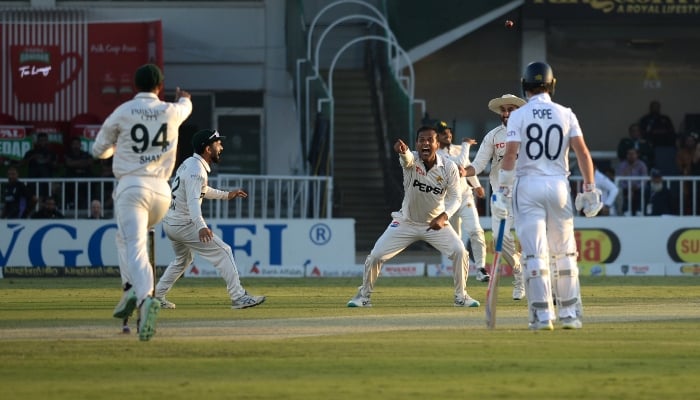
(543, 129)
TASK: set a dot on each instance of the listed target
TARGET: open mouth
(425, 151)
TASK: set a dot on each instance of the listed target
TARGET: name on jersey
(427, 188)
(544, 113)
(145, 159)
(147, 114)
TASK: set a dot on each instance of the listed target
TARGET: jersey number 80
(541, 142)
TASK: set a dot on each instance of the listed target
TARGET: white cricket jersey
(460, 156)
(543, 129)
(492, 148)
(429, 194)
(145, 132)
(188, 187)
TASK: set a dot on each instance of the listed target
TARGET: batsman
(534, 176)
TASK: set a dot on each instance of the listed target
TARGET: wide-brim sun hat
(495, 104)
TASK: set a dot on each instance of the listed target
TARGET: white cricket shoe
(166, 304)
(541, 326)
(126, 305)
(360, 301)
(482, 275)
(571, 323)
(148, 313)
(247, 301)
(466, 302)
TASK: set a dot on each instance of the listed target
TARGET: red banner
(38, 70)
(62, 68)
(115, 51)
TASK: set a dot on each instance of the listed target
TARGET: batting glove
(590, 202)
(500, 203)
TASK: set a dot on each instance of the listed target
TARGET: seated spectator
(686, 153)
(47, 210)
(688, 163)
(78, 165)
(659, 199)
(636, 141)
(40, 160)
(96, 210)
(631, 166)
(16, 197)
(657, 128)
(108, 186)
(78, 162)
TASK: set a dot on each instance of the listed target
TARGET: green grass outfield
(640, 340)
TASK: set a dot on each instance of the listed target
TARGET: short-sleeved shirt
(543, 129)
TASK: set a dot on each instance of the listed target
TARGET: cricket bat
(152, 255)
(492, 290)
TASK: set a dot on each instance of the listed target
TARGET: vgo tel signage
(273, 243)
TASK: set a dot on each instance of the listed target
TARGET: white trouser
(468, 227)
(471, 230)
(544, 222)
(401, 234)
(140, 203)
(185, 240)
(509, 251)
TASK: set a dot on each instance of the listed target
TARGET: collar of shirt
(201, 159)
(439, 162)
(146, 95)
(450, 150)
(542, 97)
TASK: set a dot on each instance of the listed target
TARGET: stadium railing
(685, 193)
(269, 196)
(303, 197)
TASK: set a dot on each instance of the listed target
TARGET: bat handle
(152, 255)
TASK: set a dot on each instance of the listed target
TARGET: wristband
(588, 187)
